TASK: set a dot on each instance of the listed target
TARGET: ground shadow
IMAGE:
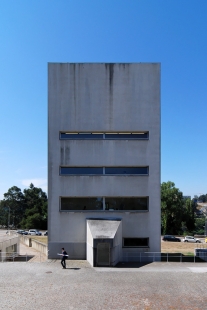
(19, 258)
(132, 265)
(73, 268)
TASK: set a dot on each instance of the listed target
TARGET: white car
(191, 239)
(34, 232)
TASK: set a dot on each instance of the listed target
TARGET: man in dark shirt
(63, 263)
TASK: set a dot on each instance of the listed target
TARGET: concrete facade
(103, 98)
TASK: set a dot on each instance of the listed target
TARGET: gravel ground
(46, 285)
(153, 286)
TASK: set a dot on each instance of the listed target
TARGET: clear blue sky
(33, 33)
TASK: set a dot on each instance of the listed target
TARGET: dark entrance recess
(103, 254)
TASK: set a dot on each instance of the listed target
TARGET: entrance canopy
(100, 232)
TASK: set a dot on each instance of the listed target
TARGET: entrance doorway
(103, 254)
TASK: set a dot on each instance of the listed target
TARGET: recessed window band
(101, 136)
(104, 170)
(98, 204)
(135, 242)
(88, 136)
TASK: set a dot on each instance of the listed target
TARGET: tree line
(179, 214)
(27, 209)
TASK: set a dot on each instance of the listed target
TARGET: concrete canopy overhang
(107, 230)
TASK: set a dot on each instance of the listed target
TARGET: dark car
(20, 231)
(171, 238)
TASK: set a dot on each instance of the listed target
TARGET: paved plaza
(157, 286)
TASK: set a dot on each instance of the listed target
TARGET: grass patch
(42, 239)
(189, 254)
(185, 248)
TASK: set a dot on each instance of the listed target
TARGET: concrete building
(104, 160)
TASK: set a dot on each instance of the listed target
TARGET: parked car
(171, 238)
(46, 233)
(34, 232)
(191, 239)
(20, 231)
(38, 233)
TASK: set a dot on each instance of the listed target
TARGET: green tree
(199, 225)
(14, 199)
(4, 214)
(26, 210)
(171, 208)
(188, 215)
(36, 208)
(203, 198)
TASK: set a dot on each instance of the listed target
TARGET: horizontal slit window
(126, 170)
(126, 203)
(135, 242)
(77, 136)
(104, 171)
(81, 170)
(84, 204)
(111, 204)
(127, 136)
(100, 135)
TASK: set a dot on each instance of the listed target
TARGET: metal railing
(16, 257)
(143, 257)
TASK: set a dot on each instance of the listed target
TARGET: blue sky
(33, 33)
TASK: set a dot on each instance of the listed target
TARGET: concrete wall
(26, 240)
(89, 246)
(116, 251)
(103, 98)
(39, 246)
(8, 245)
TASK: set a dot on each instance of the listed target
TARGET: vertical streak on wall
(110, 74)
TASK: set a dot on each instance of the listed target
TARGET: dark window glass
(84, 204)
(126, 170)
(87, 136)
(99, 170)
(81, 170)
(136, 242)
(129, 204)
(127, 136)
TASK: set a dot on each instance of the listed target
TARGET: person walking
(64, 256)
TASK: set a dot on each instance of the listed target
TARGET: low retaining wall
(8, 245)
(39, 246)
(26, 240)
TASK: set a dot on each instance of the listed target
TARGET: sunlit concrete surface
(157, 286)
(103, 98)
